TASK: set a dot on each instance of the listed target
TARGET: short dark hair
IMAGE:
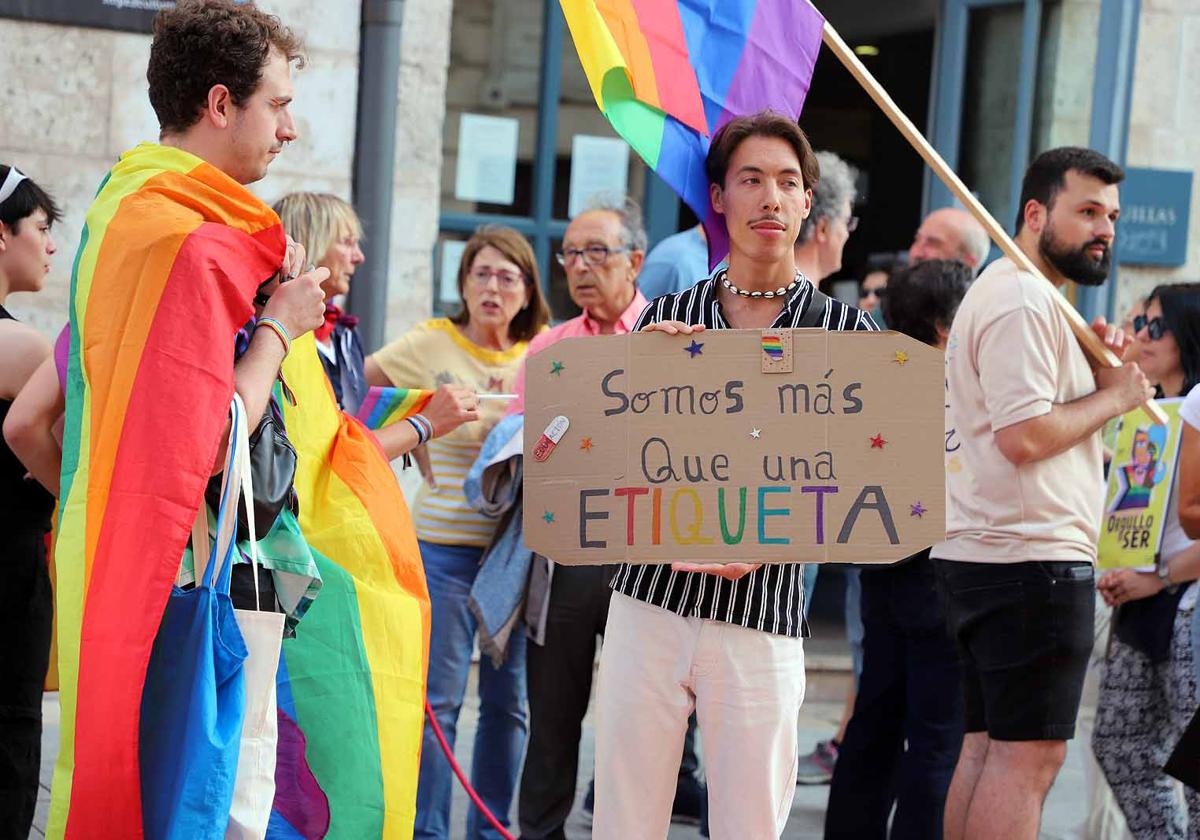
(763, 124)
(1180, 304)
(926, 296)
(26, 200)
(202, 43)
(533, 318)
(1048, 172)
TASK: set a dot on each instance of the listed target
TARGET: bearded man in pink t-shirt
(1024, 492)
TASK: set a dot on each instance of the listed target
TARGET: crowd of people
(969, 658)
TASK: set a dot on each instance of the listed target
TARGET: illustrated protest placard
(1140, 478)
(734, 445)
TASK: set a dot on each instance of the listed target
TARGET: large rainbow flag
(171, 253)
(353, 678)
(669, 73)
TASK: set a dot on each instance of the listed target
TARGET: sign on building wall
(599, 167)
(126, 15)
(1154, 217)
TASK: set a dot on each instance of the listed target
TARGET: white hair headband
(10, 183)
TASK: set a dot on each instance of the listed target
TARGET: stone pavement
(1064, 807)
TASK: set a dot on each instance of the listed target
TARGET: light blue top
(677, 263)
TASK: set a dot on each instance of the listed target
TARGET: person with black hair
(1023, 490)
(902, 741)
(873, 286)
(1148, 693)
(725, 640)
(27, 248)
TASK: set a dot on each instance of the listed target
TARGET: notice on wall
(487, 159)
(452, 251)
(734, 445)
(1140, 478)
(599, 166)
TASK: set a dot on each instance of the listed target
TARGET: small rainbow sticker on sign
(772, 345)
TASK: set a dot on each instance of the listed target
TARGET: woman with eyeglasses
(1148, 693)
(481, 348)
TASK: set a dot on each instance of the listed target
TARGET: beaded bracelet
(279, 330)
(421, 418)
(423, 428)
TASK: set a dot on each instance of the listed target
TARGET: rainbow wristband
(279, 329)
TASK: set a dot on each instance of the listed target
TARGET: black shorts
(1025, 631)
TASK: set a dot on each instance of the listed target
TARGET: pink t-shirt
(582, 325)
(1012, 357)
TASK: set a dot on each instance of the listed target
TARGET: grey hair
(976, 243)
(633, 231)
(835, 186)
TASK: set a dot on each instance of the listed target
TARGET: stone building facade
(75, 98)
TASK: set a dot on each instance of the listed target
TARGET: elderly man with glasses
(567, 606)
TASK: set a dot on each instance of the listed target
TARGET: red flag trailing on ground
(669, 73)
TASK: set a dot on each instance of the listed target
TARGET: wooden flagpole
(1092, 345)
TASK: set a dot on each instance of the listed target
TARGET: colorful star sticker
(549, 517)
(756, 433)
(878, 442)
(694, 348)
(901, 357)
(586, 444)
(954, 465)
(556, 368)
(918, 510)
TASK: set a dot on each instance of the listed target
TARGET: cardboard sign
(697, 448)
(1140, 478)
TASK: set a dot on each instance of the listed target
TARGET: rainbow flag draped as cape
(171, 254)
(354, 675)
(669, 73)
(385, 406)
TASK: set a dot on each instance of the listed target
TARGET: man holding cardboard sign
(1024, 497)
(727, 639)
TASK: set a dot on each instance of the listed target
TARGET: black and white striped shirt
(771, 598)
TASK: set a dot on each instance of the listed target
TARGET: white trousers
(746, 687)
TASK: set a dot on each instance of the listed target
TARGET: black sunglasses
(1155, 328)
(880, 293)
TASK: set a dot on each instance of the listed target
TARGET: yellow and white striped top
(435, 353)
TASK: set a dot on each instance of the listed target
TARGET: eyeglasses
(880, 292)
(505, 279)
(852, 224)
(593, 255)
(1155, 328)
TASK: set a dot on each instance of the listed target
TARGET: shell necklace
(782, 291)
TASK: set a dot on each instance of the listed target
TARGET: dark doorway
(840, 117)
